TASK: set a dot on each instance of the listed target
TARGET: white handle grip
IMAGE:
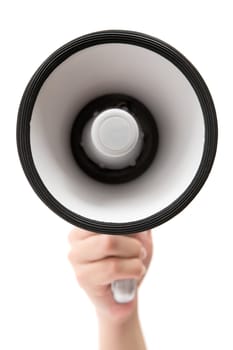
(124, 290)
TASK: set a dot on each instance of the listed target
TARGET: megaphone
(117, 133)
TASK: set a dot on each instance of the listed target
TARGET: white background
(186, 301)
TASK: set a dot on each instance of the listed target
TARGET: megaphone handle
(124, 290)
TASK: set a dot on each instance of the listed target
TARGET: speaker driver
(120, 163)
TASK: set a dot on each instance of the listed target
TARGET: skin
(97, 261)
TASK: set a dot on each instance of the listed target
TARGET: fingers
(78, 234)
(106, 271)
(95, 247)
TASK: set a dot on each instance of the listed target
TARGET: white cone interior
(112, 139)
(144, 75)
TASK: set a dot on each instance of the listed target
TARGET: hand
(100, 259)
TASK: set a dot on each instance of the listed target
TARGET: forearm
(124, 336)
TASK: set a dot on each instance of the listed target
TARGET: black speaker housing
(150, 43)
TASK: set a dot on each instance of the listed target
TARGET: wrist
(118, 321)
(117, 315)
(124, 334)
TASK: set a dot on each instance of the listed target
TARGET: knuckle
(113, 267)
(80, 276)
(75, 255)
(138, 247)
(70, 256)
(108, 243)
(137, 267)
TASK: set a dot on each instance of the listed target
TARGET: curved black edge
(150, 43)
(146, 124)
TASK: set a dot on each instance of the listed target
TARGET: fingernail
(143, 253)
